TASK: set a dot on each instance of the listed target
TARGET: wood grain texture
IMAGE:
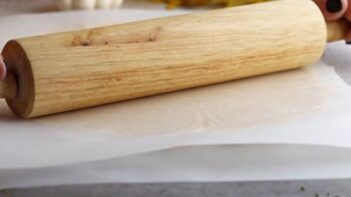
(102, 65)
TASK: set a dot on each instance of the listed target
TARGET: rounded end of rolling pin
(18, 86)
(3, 68)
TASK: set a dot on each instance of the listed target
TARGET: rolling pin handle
(8, 83)
(334, 11)
(337, 30)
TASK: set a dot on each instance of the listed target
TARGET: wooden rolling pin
(68, 71)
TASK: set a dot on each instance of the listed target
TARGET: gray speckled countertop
(324, 188)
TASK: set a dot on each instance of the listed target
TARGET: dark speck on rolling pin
(85, 44)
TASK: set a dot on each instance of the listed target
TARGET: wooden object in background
(73, 70)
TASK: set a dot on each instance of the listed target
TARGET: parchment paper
(309, 106)
(196, 164)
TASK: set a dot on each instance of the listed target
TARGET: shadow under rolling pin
(67, 71)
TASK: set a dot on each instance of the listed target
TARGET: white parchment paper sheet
(310, 106)
(195, 164)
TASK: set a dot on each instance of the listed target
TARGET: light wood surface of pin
(74, 70)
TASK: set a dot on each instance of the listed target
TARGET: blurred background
(9, 7)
